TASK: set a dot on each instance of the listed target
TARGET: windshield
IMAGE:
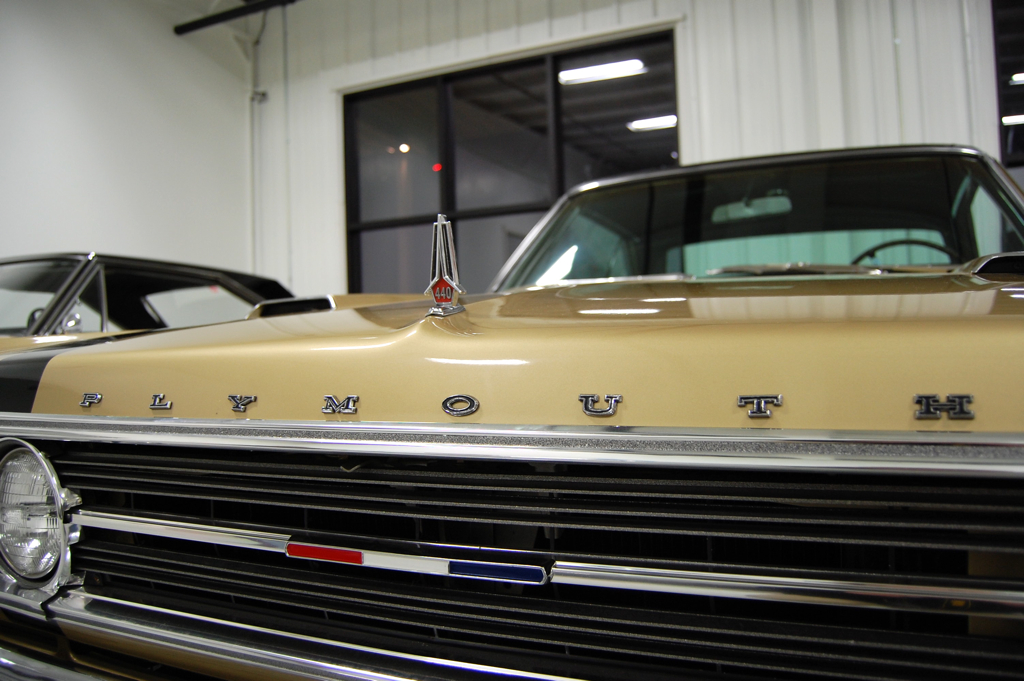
(26, 289)
(912, 211)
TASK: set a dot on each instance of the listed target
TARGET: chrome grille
(894, 529)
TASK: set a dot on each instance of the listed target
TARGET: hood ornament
(444, 273)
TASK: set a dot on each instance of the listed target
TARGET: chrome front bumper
(228, 649)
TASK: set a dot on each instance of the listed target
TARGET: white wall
(754, 77)
(118, 136)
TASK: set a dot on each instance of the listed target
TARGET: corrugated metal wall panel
(754, 77)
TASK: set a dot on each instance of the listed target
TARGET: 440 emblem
(444, 272)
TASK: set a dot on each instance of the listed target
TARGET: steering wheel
(953, 255)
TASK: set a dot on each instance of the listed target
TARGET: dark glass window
(393, 259)
(501, 138)
(1008, 20)
(492, 149)
(623, 124)
(397, 149)
(491, 241)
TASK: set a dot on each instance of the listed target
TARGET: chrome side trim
(172, 529)
(933, 453)
(234, 642)
(17, 667)
(889, 596)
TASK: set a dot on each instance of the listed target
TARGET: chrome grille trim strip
(887, 596)
(983, 454)
(278, 543)
(224, 640)
(209, 534)
(994, 602)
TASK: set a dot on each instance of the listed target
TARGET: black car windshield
(885, 212)
(26, 289)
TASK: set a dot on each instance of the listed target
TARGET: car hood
(845, 353)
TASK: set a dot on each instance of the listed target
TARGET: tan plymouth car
(748, 420)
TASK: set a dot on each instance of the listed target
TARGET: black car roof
(264, 286)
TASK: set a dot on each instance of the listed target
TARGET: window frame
(446, 142)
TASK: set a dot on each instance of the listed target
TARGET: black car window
(139, 299)
(879, 212)
(980, 208)
(26, 290)
(826, 213)
(598, 235)
(86, 314)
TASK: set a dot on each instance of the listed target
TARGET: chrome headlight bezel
(54, 508)
(28, 595)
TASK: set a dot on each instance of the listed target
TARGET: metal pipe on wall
(250, 7)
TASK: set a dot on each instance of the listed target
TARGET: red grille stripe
(325, 553)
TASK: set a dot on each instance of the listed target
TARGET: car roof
(268, 288)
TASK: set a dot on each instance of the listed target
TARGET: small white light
(589, 74)
(404, 148)
(1013, 120)
(658, 123)
(1017, 79)
(588, 186)
(664, 300)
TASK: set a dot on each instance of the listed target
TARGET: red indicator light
(325, 553)
(436, 167)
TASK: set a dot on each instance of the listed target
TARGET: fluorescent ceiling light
(1013, 120)
(659, 123)
(1017, 79)
(588, 74)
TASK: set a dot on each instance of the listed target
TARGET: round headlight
(31, 531)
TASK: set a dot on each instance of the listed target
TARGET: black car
(71, 294)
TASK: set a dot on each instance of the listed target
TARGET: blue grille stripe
(499, 571)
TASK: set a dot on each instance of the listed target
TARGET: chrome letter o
(449, 405)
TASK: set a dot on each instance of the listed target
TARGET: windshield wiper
(796, 268)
